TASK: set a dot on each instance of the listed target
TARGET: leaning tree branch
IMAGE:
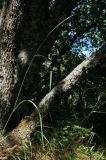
(98, 60)
(21, 134)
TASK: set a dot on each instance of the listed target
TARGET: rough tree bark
(22, 132)
(8, 67)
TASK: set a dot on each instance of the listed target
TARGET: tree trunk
(22, 132)
(8, 44)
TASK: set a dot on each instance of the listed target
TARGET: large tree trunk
(22, 132)
(8, 44)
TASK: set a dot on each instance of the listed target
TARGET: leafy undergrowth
(68, 143)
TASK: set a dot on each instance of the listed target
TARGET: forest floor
(80, 153)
